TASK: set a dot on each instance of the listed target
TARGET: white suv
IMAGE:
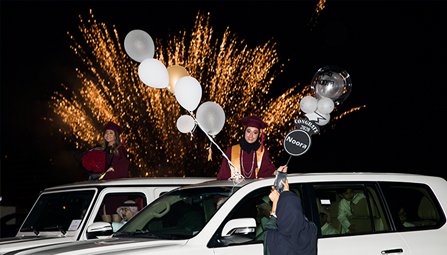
(219, 217)
(63, 213)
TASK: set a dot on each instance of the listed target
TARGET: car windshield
(61, 211)
(180, 214)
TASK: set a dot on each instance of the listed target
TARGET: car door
(255, 205)
(108, 202)
(417, 215)
(354, 225)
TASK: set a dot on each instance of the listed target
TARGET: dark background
(393, 50)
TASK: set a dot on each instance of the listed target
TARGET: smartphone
(280, 176)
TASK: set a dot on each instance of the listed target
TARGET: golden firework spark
(314, 20)
(236, 77)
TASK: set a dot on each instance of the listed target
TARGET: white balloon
(308, 104)
(153, 73)
(188, 92)
(325, 105)
(139, 45)
(185, 124)
(319, 118)
(211, 117)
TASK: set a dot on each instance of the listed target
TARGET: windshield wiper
(34, 229)
(160, 236)
(123, 233)
(142, 233)
(52, 228)
(165, 236)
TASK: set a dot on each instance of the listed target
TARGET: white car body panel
(419, 242)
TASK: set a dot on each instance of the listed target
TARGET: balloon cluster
(330, 86)
(210, 116)
(187, 90)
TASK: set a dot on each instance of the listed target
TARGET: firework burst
(236, 77)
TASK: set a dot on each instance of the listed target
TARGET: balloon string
(237, 172)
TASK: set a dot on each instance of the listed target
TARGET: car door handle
(399, 250)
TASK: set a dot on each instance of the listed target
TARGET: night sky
(393, 50)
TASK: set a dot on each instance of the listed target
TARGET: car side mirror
(238, 231)
(99, 229)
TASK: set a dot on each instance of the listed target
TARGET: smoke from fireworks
(236, 77)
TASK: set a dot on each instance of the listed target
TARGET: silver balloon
(331, 82)
(211, 117)
(185, 124)
(139, 45)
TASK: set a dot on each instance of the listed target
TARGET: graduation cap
(253, 121)
(112, 126)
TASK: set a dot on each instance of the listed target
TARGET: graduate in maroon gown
(112, 144)
(249, 155)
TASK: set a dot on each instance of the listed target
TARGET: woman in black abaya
(289, 232)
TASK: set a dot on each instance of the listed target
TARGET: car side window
(412, 206)
(112, 201)
(256, 205)
(349, 208)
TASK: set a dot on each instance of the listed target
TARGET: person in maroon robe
(249, 155)
(120, 164)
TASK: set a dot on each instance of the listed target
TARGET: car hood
(109, 246)
(16, 243)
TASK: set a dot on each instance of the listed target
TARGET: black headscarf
(294, 235)
(248, 147)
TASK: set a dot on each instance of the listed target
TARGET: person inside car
(126, 211)
(325, 222)
(345, 208)
(262, 217)
(403, 217)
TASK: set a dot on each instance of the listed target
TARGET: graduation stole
(236, 159)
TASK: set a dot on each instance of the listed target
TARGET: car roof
(144, 181)
(326, 177)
